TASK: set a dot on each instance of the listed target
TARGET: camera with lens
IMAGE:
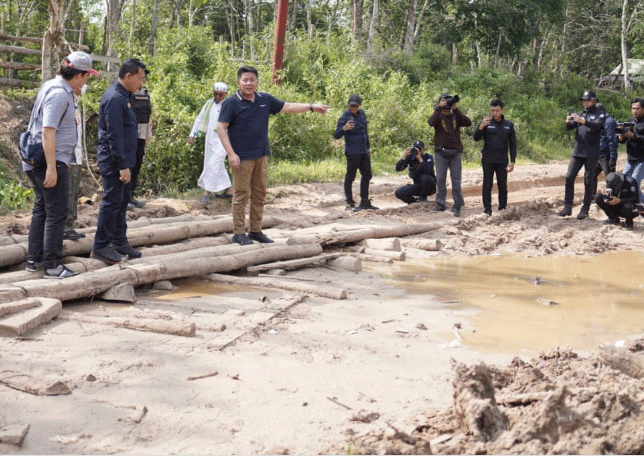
(451, 100)
(623, 127)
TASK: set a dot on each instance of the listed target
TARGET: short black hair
(68, 72)
(497, 102)
(131, 66)
(639, 100)
(247, 69)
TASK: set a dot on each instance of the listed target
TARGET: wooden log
(19, 50)
(37, 387)
(174, 328)
(18, 306)
(20, 66)
(348, 263)
(24, 39)
(430, 245)
(392, 244)
(294, 263)
(92, 283)
(372, 258)
(394, 255)
(622, 360)
(278, 282)
(18, 324)
(18, 83)
(13, 434)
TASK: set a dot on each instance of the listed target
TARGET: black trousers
(48, 216)
(601, 166)
(134, 179)
(423, 186)
(616, 211)
(489, 169)
(360, 162)
(590, 182)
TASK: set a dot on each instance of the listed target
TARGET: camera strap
(452, 122)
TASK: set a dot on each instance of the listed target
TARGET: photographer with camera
(421, 170)
(632, 133)
(607, 161)
(498, 136)
(620, 200)
(447, 121)
(588, 124)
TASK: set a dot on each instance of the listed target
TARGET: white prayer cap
(220, 87)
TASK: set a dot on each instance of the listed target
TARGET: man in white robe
(214, 177)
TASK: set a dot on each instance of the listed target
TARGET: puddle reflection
(593, 300)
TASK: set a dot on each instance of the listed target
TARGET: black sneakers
(566, 211)
(351, 205)
(365, 204)
(259, 237)
(73, 235)
(108, 255)
(456, 211)
(137, 203)
(242, 239)
(127, 249)
(59, 272)
(583, 213)
(438, 208)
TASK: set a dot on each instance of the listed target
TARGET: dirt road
(293, 375)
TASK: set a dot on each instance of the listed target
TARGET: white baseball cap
(80, 60)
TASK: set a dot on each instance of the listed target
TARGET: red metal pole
(280, 36)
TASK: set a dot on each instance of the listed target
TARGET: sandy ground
(294, 374)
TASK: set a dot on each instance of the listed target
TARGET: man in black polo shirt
(498, 137)
(243, 130)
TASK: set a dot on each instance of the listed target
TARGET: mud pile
(558, 403)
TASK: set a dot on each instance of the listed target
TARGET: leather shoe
(108, 255)
(259, 237)
(566, 211)
(583, 213)
(127, 249)
(73, 235)
(242, 239)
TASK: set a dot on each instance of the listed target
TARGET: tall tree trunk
(292, 22)
(154, 24)
(52, 39)
(624, 35)
(498, 47)
(250, 27)
(309, 16)
(408, 45)
(132, 26)
(372, 26)
(232, 26)
(112, 28)
(357, 9)
(334, 15)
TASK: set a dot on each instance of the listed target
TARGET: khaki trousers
(249, 181)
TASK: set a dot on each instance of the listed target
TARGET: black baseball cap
(355, 99)
(418, 144)
(588, 95)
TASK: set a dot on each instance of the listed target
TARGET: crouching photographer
(421, 170)
(621, 199)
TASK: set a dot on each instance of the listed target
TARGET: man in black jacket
(622, 194)
(588, 123)
(634, 139)
(498, 137)
(421, 170)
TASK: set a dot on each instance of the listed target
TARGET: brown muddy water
(525, 305)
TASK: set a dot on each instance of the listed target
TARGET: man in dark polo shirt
(116, 156)
(243, 130)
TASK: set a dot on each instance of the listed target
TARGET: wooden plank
(17, 83)
(20, 66)
(24, 39)
(19, 50)
(294, 263)
(20, 323)
(106, 59)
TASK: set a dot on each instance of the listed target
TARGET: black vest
(142, 106)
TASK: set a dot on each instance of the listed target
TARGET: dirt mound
(558, 403)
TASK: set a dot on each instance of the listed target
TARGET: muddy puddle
(520, 305)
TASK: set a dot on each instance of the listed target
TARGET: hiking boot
(365, 204)
(127, 249)
(33, 266)
(438, 208)
(456, 211)
(259, 237)
(487, 211)
(59, 272)
(108, 255)
(583, 213)
(351, 205)
(567, 210)
(611, 221)
(628, 224)
(73, 235)
(242, 239)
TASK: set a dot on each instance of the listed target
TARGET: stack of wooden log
(186, 246)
